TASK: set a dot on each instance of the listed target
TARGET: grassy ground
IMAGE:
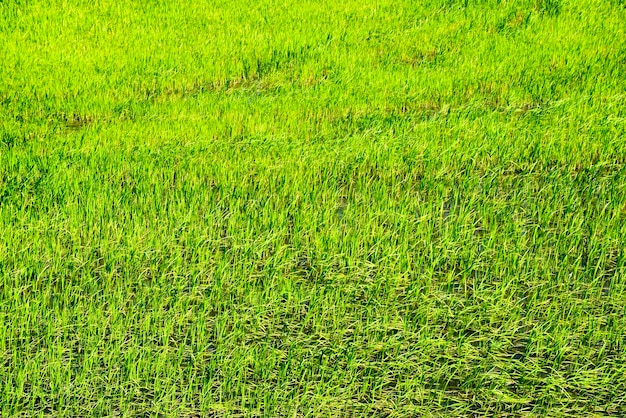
(312, 208)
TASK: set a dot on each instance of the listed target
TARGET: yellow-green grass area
(372, 208)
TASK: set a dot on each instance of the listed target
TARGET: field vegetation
(380, 208)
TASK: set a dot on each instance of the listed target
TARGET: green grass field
(268, 208)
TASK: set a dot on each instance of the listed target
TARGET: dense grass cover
(312, 208)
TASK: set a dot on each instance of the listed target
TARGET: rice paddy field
(367, 208)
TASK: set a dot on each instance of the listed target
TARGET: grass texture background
(312, 208)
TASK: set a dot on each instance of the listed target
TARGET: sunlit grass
(313, 209)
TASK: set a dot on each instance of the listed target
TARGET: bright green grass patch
(313, 209)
